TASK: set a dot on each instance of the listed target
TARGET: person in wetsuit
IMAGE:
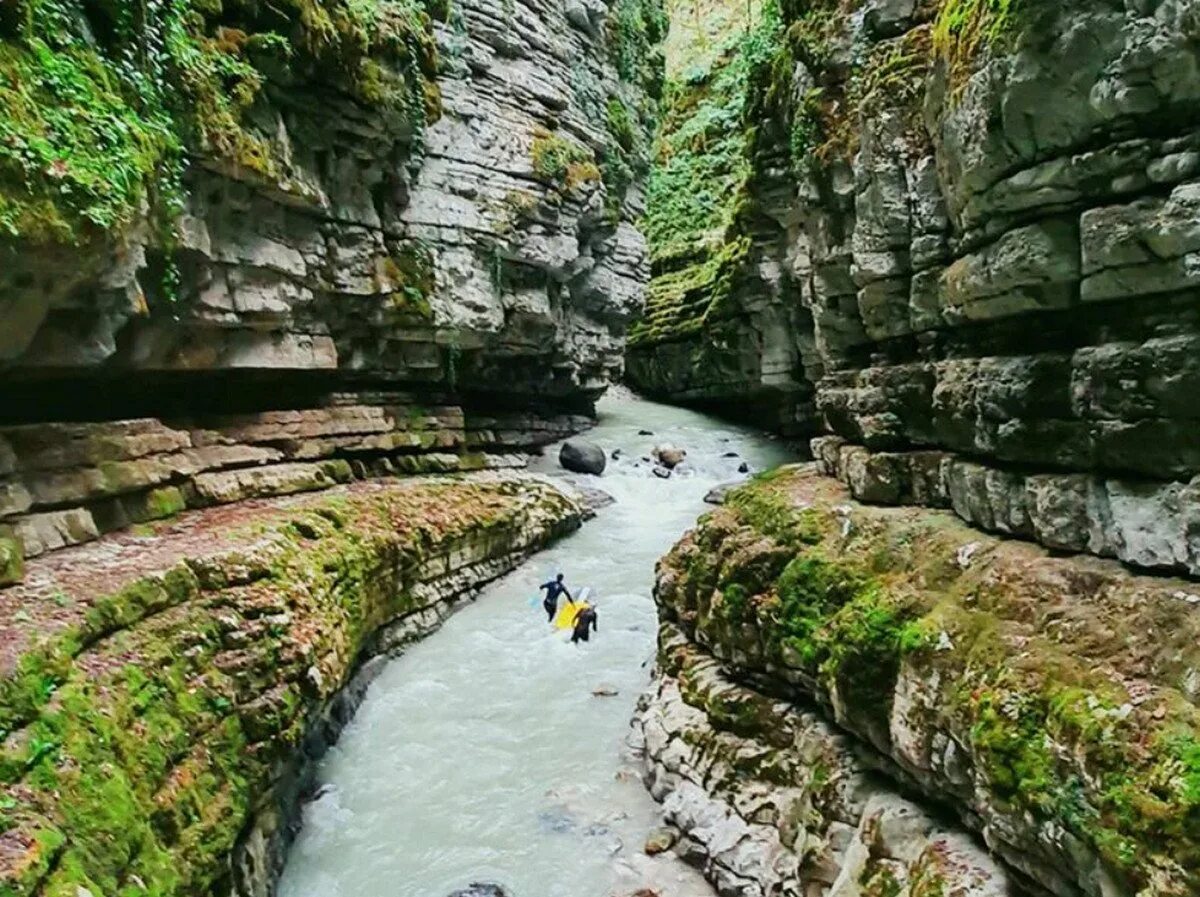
(554, 588)
(584, 619)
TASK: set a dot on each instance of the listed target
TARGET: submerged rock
(662, 473)
(482, 889)
(582, 457)
(718, 494)
(594, 499)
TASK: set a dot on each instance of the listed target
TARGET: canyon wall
(865, 701)
(954, 238)
(950, 243)
(260, 264)
(257, 248)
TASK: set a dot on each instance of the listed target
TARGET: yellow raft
(566, 614)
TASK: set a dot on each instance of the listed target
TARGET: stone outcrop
(378, 198)
(63, 484)
(865, 700)
(164, 693)
(773, 799)
(959, 232)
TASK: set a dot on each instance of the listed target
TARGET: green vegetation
(410, 276)
(698, 186)
(635, 29)
(964, 28)
(135, 745)
(103, 104)
(12, 557)
(1050, 729)
(563, 162)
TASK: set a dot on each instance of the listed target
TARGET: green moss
(141, 761)
(771, 512)
(698, 187)
(101, 104)
(164, 502)
(1052, 735)
(563, 162)
(12, 557)
(880, 882)
(635, 29)
(409, 275)
(965, 28)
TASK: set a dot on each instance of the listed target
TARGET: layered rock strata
(771, 798)
(964, 228)
(848, 691)
(66, 483)
(161, 693)
(403, 195)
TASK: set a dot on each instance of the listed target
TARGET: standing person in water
(585, 618)
(554, 588)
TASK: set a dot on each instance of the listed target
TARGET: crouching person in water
(585, 619)
(554, 588)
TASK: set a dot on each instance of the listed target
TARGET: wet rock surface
(481, 890)
(583, 457)
(831, 673)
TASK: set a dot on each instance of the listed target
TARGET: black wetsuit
(553, 590)
(584, 620)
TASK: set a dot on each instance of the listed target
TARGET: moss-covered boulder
(1051, 700)
(155, 687)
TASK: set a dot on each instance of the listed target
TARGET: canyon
(293, 295)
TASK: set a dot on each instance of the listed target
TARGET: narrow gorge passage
(482, 754)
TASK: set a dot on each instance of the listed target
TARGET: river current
(484, 752)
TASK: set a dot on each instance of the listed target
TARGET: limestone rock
(582, 457)
(660, 841)
(669, 456)
(977, 268)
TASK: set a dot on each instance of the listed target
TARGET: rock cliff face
(956, 236)
(257, 248)
(856, 700)
(374, 193)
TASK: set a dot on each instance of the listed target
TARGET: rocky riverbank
(866, 700)
(164, 690)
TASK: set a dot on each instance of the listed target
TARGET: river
(482, 753)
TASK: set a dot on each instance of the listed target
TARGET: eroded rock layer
(950, 227)
(162, 692)
(866, 700)
(267, 206)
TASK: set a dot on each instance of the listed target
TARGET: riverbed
(494, 751)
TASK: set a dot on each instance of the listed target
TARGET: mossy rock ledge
(887, 701)
(164, 692)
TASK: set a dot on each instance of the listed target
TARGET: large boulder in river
(481, 889)
(669, 456)
(582, 457)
